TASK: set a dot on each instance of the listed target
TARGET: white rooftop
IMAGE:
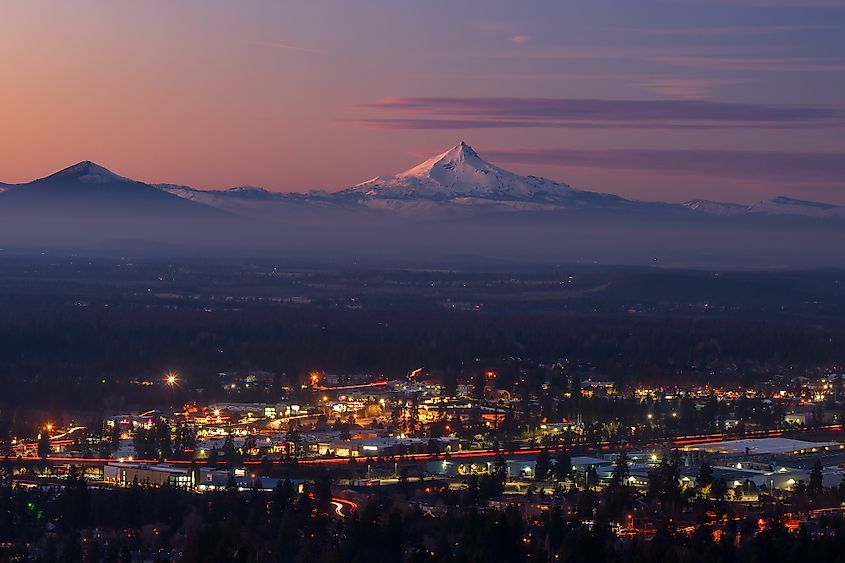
(587, 460)
(755, 446)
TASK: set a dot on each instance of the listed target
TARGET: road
(344, 507)
(593, 447)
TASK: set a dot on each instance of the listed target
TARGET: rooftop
(757, 446)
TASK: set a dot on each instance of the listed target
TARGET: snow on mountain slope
(187, 192)
(716, 207)
(250, 192)
(460, 173)
(455, 183)
(772, 207)
(211, 196)
(789, 206)
(459, 183)
(460, 176)
(87, 172)
(249, 200)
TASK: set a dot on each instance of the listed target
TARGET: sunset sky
(736, 100)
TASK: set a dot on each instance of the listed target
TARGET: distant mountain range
(453, 203)
(458, 176)
(776, 206)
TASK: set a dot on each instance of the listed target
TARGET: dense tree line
(92, 351)
(80, 523)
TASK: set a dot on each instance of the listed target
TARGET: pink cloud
(490, 112)
(520, 39)
(804, 167)
(685, 88)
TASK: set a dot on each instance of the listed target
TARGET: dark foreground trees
(83, 523)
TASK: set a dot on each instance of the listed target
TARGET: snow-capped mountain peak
(460, 159)
(456, 174)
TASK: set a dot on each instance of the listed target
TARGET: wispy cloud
(439, 124)
(686, 88)
(755, 64)
(727, 31)
(714, 57)
(803, 167)
(519, 39)
(455, 113)
(512, 32)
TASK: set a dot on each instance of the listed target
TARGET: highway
(593, 447)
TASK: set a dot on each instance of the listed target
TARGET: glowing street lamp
(171, 379)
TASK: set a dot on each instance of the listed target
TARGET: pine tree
(44, 445)
(620, 470)
(542, 467)
(563, 466)
(719, 489)
(814, 486)
(500, 469)
(705, 475)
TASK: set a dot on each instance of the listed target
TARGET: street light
(171, 378)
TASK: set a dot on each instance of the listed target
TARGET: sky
(730, 100)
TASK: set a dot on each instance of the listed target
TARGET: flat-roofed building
(764, 446)
(125, 474)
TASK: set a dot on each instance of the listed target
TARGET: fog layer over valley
(454, 205)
